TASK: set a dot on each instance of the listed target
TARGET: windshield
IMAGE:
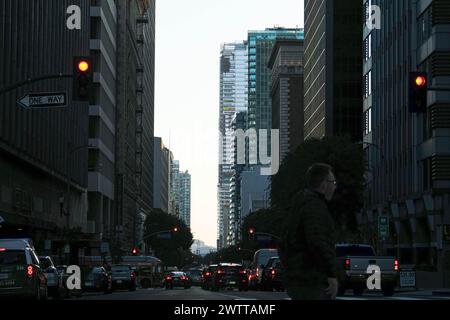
(120, 268)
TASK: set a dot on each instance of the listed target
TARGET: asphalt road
(196, 293)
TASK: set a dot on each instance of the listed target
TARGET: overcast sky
(188, 39)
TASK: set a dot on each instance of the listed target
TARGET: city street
(196, 293)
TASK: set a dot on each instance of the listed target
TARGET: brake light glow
(2, 249)
(347, 264)
(183, 278)
(168, 278)
(207, 274)
(243, 272)
(274, 272)
(396, 265)
(220, 272)
(30, 271)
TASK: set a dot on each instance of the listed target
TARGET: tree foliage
(174, 251)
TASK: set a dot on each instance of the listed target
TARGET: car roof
(15, 244)
(230, 265)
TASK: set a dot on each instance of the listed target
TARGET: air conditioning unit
(90, 226)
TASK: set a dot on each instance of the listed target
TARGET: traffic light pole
(33, 80)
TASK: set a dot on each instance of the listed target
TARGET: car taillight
(133, 275)
(207, 274)
(168, 278)
(30, 271)
(220, 272)
(396, 265)
(347, 264)
(274, 272)
(2, 249)
(243, 272)
(183, 278)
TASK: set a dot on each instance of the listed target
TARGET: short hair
(316, 174)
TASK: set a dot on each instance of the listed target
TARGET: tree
(347, 160)
(173, 251)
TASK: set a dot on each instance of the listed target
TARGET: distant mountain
(200, 248)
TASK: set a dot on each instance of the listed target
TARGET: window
(368, 47)
(368, 121)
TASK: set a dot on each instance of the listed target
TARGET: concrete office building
(134, 119)
(286, 63)
(161, 178)
(333, 68)
(409, 154)
(102, 129)
(37, 147)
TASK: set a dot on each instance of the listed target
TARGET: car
(353, 261)
(196, 276)
(177, 279)
(260, 260)
(52, 274)
(123, 277)
(20, 271)
(272, 275)
(230, 276)
(98, 279)
(206, 276)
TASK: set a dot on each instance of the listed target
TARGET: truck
(353, 262)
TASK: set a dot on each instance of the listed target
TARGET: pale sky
(188, 39)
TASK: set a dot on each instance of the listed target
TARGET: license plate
(3, 276)
(7, 283)
(119, 281)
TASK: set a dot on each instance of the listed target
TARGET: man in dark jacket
(308, 247)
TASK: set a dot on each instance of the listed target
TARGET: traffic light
(134, 251)
(418, 88)
(251, 233)
(82, 79)
(175, 229)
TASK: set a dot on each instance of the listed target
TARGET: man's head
(320, 178)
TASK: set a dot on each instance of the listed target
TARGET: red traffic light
(83, 66)
(135, 251)
(251, 230)
(420, 81)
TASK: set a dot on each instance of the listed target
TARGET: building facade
(408, 154)
(233, 99)
(286, 63)
(134, 119)
(182, 194)
(102, 127)
(161, 178)
(333, 68)
(44, 173)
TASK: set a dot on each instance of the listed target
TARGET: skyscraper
(181, 193)
(161, 177)
(260, 45)
(408, 154)
(134, 117)
(233, 99)
(286, 63)
(333, 68)
(42, 151)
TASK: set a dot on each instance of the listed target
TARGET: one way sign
(43, 100)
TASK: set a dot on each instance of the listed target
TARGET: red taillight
(396, 265)
(347, 264)
(2, 249)
(220, 272)
(30, 271)
(207, 274)
(274, 272)
(243, 272)
(133, 275)
(183, 278)
(168, 278)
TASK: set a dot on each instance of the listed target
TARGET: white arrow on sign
(43, 100)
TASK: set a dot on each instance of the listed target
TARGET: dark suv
(123, 277)
(229, 275)
(272, 275)
(207, 276)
